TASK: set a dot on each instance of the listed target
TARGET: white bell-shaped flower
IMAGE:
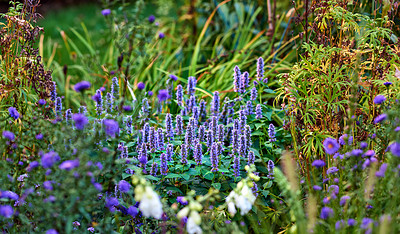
(150, 204)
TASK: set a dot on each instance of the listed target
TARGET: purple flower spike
(81, 86)
(331, 146)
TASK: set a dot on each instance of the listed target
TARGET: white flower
(397, 73)
(183, 213)
(231, 208)
(150, 204)
(243, 204)
(243, 201)
(192, 227)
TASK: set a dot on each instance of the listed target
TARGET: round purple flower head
(80, 121)
(150, 93)
(163, 95)
(182, 200)
(13, 112)
(127, 108)
(141, 85)
(111, 127)
(331, 146)
(318, 163)
(132, 211)
(124, 186)
(317, 187)
(394, 148)
(9, 135)
(106, 12)
(79, 87)
(388, 83)
(380, 118)
(42, 102)
(151, 18)
(379, 99)
(51, 231)
(161, 35)
(326, 212)
(49, 159)
(332, 170)
(173, 77)
(69, 164)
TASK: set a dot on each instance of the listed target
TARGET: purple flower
(6, 211)
(151, 18)
(331, 146)
(132, 211)
(317, 188)
(236, 78)
(111, 203)
(49, 159)
(69, 164)
(214, 157)
(106, 12)
(394, 148)
(9, 135)
(332, 170)
(32, 165)
(379, 99)
(164, 165)
(47, 185)
(163, 95)
(42, 102)
(81, 86)
(343, 200)
(365, 223)
(318, 163)
(258, 111)
(387, 83)
(363, 145)
(141, 85)
(380, 118)
(351, 222)
(150, 93)
(111, 127)
(13, 112)
(182, 200)
(98, 186)
(253, 94)
(9, 195)
(271, 133)
(80, 121)
(236, 165)
(91, 229)
(173, 77)
(161, 35)
(39, 136)
(260, 69)
(382, 170)
(124, 186)
(326, 212)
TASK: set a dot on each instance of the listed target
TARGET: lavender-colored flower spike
(168, 126)
(258, 111)
(249, 107)
(129, 128)
(140, 137)
(270, 169)
(192, 102)
(210, 138)
(53, 93)
(236, 79)
(250, 158)
(169, 152)
(247, 133)
(229, 121)
(143, 157)
(245, 82)
(214, 157)
(221, 132)
(99, 102)
(242, 146)
(58, 107)
(216, 104)
(196, 114)
(236, 165)
(189, 135)
(179, 125)
(260, 69)
(179, 95)
(242, 121)
(153, 140)
(145, 107)
(164, 165)
(115, 88)
(198, 154)
(82, 110)
(110, 102)
(68, 116)
(191, 85)
(201, 133)
(184, 153)
(235, 140)
(271, 133)
(203, 110)
(146, 133)
(253, 94)
(154, 169)
(214, 125)
(160, 139)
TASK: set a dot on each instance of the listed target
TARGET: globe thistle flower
(168, 126)
(53, 93)
(201, 133)
(249, 107)
(270, 168)
(198, 154)
(318, 163)
(250, 158)
(161, 35)
(154, 169)
(260, 69)
(163, 95)
(326, 212)
(160, 139)
(216, 104)
(253, 94)
(221, 132)
(8, 135)
(236, 165)
(191, 85)
(111, 127)
(380, 118)
(124, 186)
(164, 166)
(13, 112)
(80, 121)
(244, 82)
(236, 79)
(258, 111)
(379, 99)
(81, 86)
(214, 157)
(210, 138)
(151, 18)
(49, 159)
(179, 95)
(331, 146)
(141, 86)
(58, 107)
(271, 133)
(184, 153)
(170, 152)
(106, 12)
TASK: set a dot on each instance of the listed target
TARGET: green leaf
(209, 175)
(265, 193)
(267, 185)
(185, 176)
(150, 177)
(172, 175)
(257, 133)
(216, 185)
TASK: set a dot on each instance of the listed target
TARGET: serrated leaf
(265, 193)
(216, 185)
